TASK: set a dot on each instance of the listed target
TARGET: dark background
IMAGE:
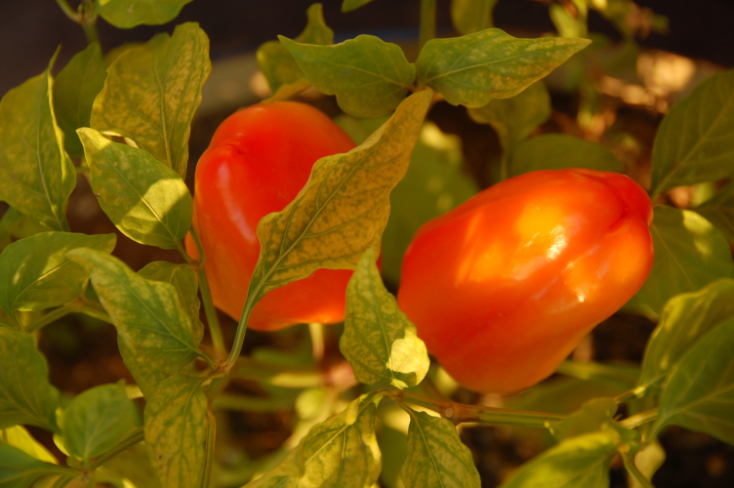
(31, 30)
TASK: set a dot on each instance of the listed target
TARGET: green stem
(641, 418)
(239, 336)
(624, 376)
(89, 21)
(632, 469)
(250, 369)
(63, 480)
(428, 21)
(460, 413)
(94, 309)
(137, 436)
(637, 392)
(209, 446)
(215, 330)
(51, 317)
(242, 403)
(68, 10)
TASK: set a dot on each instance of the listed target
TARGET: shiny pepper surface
(505, 286)
(257, 162)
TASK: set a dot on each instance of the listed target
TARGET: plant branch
(641, 418)
(137, 436)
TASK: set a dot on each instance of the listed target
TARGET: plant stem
(460, 413)
(209, 446)
(68, 10)
(632, 469)
(428, 21)
(94, 309)
(137, 436)
(50, 317)
(239, 336)
(215, 330)
(89, 21)
(624, 376)
(63, 480)
(640, 418)
(250, 369)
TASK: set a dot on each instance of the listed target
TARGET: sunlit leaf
(592, 416)
(20, 470)
(689, 254)
(36, 274)
(514, 119)
(341, 451)
(343, 209)
(152, 92)
(145, 199)
(470, 16)
(155, 334)
(648, 460)
(279, 66)
(685, 319)
(436, 456)
(175, 431)
(126, 14)
(694, 142)
(26, 397)
(348, 5)
(19, 437)
(97, 420)
(182, 278)
(719, 210)
(699, 393)
(75, 89)
(369, 77)
(379, 341)
(36, 175)
(474, 69)
(560, 151)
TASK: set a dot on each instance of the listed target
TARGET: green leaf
(75, 89)
(379, 341)
(152, 92)
(560, 151)
(15, 225)
(183, 279)
(343, 209)
(145, 199)
(568, 24)
(134, 464)
(175, 431)
(278, 65)
(474, 69)
(340, 452)
(126, 14)
(36, 175)
(470, 16)
(97, 420)
(20, 470)
(694, 142)
(155, 334)
(26, 397)
(592, 416)
(685, 319)
(689, 254)
(514, 119)
(700, 390)
(36, 274)
(369, 77)
(719, 210)
(19, 437)
(348, 5)
(436, 456)
(579, 462)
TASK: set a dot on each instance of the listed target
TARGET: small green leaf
(175, 431)
(719, 210)
(561, 151)
(19, 437)
(36, 274)
(155, 334)
(126, 14)
(36, 175)
(700, 390)
(369, 77)
(689, 254)
(145, 199)
(514, 119)
(20, 470)
(579, 462)
(694, 142)
(379, 341)
(349, 5)
(474, 69)
(278, 65)
(26, 397)
(470, 16)
(592, 416)
(343, 209)
(183, 279)
(75, 89)
(685, 319)
(341, 451)
(436, 456)
(152, 92)
(97, 420)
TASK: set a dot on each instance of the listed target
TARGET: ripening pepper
(257, 162)
(505, 286)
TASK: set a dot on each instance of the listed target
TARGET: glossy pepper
(505, 286)
(258, 160)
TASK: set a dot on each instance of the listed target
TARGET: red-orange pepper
(505, 286)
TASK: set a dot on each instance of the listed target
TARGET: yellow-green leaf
(474, 69)
(20, 470)
(470, 16)
(36, 175)
(126, 14)
(152, 92)
(145, 199)
(183, 278)
(591, 417)
(19, 437)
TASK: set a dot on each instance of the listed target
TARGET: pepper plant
(122, 121)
